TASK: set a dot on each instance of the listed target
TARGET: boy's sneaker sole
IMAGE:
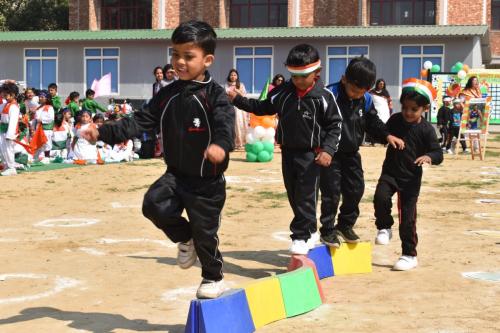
(329, 243)
(347, 239)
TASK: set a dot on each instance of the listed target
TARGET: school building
(128, 38)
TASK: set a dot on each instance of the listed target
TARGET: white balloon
(259, 132)
(461, 74)
(250, 138)
(270, 132)
(268, 138)
(428, 64)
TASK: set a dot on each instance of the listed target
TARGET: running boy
(308, 130)
(345, 175)
(197, 124)
(402, 169)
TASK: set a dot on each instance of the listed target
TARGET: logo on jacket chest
(307, 115)
(360, 112)
(196, 127)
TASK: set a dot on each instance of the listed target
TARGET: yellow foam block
(352, 258)
(265, 301)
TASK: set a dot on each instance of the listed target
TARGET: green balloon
(257, 147)
(269, 147)
(251, 157)
(248, 148)
(263, 156)
(454, 69)
(484, 90)
(435, 68)
(459, 66)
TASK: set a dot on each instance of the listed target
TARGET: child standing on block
(196, 122)
(344, 178)
(308, 130)
(402, 169)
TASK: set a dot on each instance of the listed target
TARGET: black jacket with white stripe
(308, 122)
(190, 115)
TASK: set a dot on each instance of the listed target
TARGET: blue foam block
(228, 313)
(323, 261)
(192, 324)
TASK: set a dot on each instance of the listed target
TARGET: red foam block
(298, 261)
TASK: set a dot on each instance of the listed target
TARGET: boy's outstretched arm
(433, 149)
(255, 106)
(127, 128)
(378, 130)
(223, 117)
(332, 125)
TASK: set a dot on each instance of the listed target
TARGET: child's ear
(208, 60)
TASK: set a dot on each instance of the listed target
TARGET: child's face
(52, 91)
(190, 61)
(302, 82)
(85, 118)
(90, 96)
(76, 99)
(170, 75)
(99, 122)
(42, 100)
(29, 94)
(9, 97)
(352, 90)
(67, 116)
(412, 113)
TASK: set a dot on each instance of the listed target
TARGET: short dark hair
(58, 119)
(89, 92)
(198, 32)
(74, 94)
(10, 88)
(97, 116)
(412, 95)
(52, 85)
(301, 55)
(361, 72)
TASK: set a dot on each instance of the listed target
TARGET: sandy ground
(113, 271)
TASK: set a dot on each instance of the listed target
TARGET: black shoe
(348, 235)
(330, 239)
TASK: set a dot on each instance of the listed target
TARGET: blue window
(338, 58)
(254, 64)
(414, 56)
(40, 67)
(102, 61)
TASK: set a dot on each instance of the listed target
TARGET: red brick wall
(347, 12)
(172, 16)
(78, 15)
(155, 14)
(465, 12)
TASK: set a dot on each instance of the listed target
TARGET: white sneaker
(383, 236)
(405, 263)
(450, 152)
(210, 289)
(186, 254)
(9, 172)
(313, 240)
(45, 160)
(299, 246)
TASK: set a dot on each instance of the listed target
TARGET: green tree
(33, 15)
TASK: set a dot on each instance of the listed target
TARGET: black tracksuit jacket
(305, 123)
(190, 115)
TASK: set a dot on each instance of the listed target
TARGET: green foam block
(300, 291)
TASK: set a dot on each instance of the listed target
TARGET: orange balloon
(423, 73)
(254, 121)
(466, 68)
(267, 122)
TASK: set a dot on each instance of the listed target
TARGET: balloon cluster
(461, 70)
(428, 66)
(260, 139)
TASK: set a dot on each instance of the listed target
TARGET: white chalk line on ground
(492, 233)
(488, 192)
(245, 187)
(92, 251)
(491, 173)
(120, 205)
(269, 171)
(251, 180)
(282, 236)
(488, 201)
(483, 276)
(491, 167)
(60, 284)
(164, 243)
(487, 216)
(66, 222)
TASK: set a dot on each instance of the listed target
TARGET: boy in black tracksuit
(402, 171)
(196, 122)
(444, 119)
(344, 177)
(308, 132)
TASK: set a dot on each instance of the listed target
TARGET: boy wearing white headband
(308, 131)
(402, 169)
